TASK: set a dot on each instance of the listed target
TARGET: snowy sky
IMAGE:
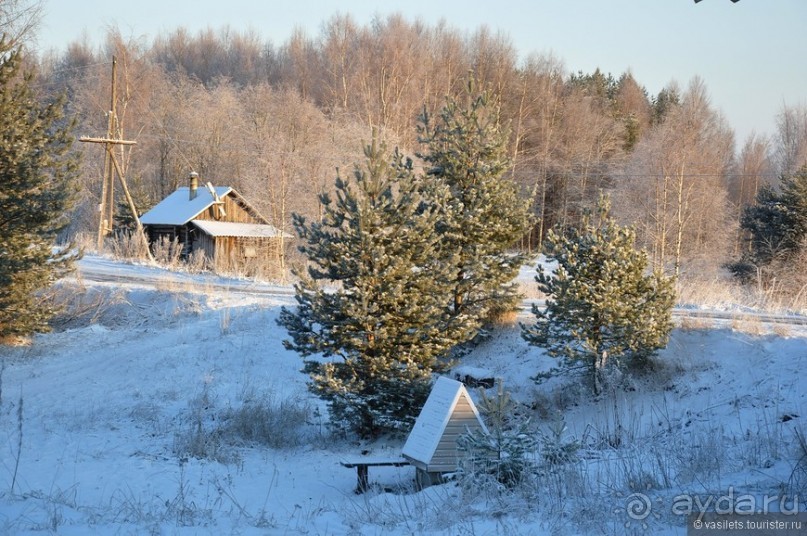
(751, 54)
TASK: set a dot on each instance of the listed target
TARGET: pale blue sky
(752, 54)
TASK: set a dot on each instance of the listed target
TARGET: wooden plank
(88, 139)
(374, 462)
(362, 466)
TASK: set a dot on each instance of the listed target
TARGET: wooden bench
(363, 464)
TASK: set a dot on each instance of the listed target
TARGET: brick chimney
(194, 184)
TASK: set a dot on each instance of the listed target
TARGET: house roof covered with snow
(448, 411)
(179, 209)
(248, 230)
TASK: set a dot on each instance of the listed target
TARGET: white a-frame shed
(432, 445)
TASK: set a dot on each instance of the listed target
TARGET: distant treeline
(277, 121)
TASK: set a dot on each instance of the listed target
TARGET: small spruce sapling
(556, 449)
(505, 452)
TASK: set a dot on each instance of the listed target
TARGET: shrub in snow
(266, 421)
(213, 434)
(131, 245)
(167, 252)
(556, 449)
(797, 483)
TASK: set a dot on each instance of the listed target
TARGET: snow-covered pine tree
(506, 451)
(602, 307)
(465, 151)
(36, 168)
(383, 325)
(776, 224)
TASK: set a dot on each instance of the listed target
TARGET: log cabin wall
(248, 256)
(235, 212)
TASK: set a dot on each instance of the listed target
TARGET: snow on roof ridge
(179, 209)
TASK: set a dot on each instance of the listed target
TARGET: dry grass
(197, 262)
(261, 268)
(86, 242)
(167, 252)
(749, 324)
(725, 293)
(79, 306)
(129, 246)
(689, 323)
(15, 340)
(782, 330)
(265, 419)
(503, 319)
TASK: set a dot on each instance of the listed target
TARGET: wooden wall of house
(248, 256)
(235, 212)
(207, 244)
(445, 457)
(157, 233)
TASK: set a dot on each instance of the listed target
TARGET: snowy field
(138, 416)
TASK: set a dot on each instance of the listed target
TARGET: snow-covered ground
(130, 420)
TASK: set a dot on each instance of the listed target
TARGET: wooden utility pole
(107, 212)
(112, 168)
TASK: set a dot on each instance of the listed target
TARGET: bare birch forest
(276, 121)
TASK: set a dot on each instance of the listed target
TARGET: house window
(250, 252)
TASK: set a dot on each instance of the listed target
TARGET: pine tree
(777, 224)
(124, 219)
(385, 325)
(505, 451)
(602, 308)
(483, 215)
(36, 169)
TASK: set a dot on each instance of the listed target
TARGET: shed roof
(252, 230)
(179, 209)
(422, 442)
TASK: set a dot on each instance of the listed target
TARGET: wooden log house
(219, 222)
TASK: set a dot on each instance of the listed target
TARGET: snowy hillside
(140, 416)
